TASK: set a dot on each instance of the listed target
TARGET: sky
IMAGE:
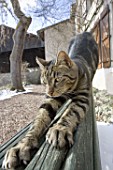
(38, 22)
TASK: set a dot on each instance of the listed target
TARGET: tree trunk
(17, 51)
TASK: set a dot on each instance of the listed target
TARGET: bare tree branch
(17, 9)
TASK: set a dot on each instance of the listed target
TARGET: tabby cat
(69, 76)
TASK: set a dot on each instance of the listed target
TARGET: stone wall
(29, 77)
(5, 79)
(57, 38)
(32, 77)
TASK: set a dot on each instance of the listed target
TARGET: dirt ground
(18, 111)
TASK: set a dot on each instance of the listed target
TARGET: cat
(68, 76)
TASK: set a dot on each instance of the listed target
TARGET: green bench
(84, 155)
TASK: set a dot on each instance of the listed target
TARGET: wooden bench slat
(24, 130)
(12, 142)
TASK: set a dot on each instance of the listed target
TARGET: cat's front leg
(22, 151)
(61, 133)
(59, 136)
(18, 154)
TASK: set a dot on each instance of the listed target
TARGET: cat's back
(82, 44)
(84, 48)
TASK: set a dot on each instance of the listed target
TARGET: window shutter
(105, 40)
(96, 34)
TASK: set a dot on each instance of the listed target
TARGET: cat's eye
(57, 79)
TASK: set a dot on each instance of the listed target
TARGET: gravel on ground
(17, 111)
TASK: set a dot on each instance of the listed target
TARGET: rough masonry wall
(57, 38)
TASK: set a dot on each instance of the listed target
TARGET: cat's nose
(51, 91)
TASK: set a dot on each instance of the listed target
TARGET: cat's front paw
(16, 155)
(59, 136)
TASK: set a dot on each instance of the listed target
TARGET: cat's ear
(63, 58)
(41, 62)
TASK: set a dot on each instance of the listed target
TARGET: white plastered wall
(103, 78)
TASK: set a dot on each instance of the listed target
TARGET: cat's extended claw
(10, 159)
(59, 136)
(15, 156)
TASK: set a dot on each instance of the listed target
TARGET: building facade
(33, 47)
(96, 16)
(57, 37)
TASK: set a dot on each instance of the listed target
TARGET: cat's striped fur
(69, 76)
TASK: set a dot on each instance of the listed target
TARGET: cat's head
(59, 76)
